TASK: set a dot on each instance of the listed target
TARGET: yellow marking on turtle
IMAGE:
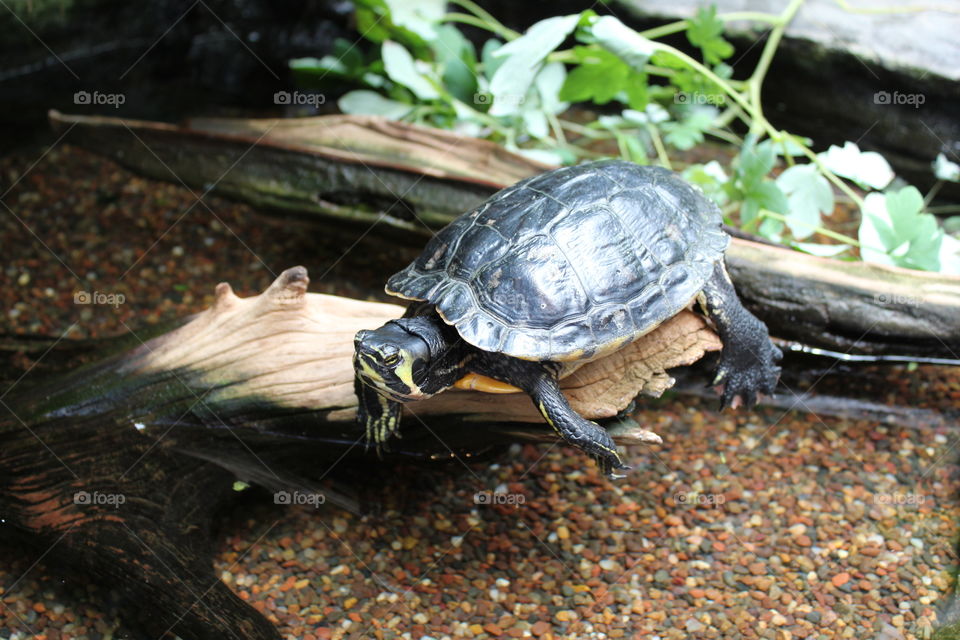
(369, 371)
(543, 412)
(485, 384)
(404, 371)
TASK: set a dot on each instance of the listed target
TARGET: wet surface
(793, 521)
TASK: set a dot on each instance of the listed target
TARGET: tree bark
(104, 464)
(409, 180)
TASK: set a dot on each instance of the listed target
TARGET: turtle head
(400, 360)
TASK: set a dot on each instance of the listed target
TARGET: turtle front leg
(539, 380)
(379, 415)
(748, 361)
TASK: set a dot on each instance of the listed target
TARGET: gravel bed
(760, 524)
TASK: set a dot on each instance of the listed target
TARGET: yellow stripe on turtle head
(404, 371)
(369, 372)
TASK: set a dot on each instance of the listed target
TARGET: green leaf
(370, 103)
(376, 24)
(522, 60)
(420, 17)
(689, 132)
(535, 122)
(348, 53)
(894, 230)
(490, 62)
(554, 157)
(622, 41)
(822, 250)
(634, 148)
(548, 83)
(638, 97)
(946, 170)
(756, 161)
(952, 224)
(402, 69)
(762, 195)
(808, 196)
(710, 178)
(950, 255)
(705, 31)
(599, 77)
(866, 168)
(771, 229)
(457, 60)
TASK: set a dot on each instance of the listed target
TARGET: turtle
(559, 269)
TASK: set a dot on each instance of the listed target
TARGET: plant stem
(658, 145)
(492, 23)
(664, 30)
(466, 18)
(932, 193)
(766, 213)
(766, 57)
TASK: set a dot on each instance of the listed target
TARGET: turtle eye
(392, 359)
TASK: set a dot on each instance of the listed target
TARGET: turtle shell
(570, 264)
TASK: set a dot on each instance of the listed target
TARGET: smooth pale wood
(294, 349)
(376, 140)
(303, 166)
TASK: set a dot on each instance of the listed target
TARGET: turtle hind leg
(749, 360)
(379, 416)
(539, 381)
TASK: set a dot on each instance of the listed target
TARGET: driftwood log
(385, 176)
(104, 464)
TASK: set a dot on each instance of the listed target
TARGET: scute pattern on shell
(572, 263)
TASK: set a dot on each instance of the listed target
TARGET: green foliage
(705, 31)
(895, 231)
(517, 88)
(808, 196)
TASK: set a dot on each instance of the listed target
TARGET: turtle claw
(610, 465)
(748, 374)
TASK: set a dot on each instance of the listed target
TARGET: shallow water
(782, 520)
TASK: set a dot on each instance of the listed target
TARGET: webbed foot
(746, 371)
(749, 360)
